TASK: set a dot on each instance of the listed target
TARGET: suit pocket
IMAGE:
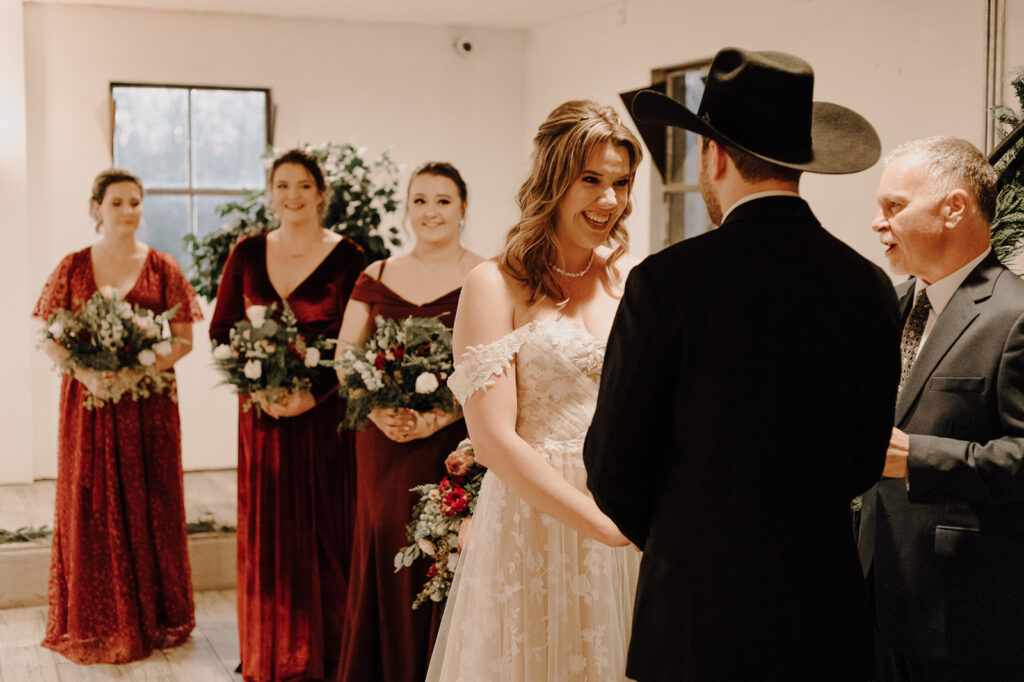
(952, 541)
(957, 384)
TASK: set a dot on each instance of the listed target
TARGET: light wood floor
(210, 655)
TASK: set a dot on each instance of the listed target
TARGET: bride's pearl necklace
(574, 275)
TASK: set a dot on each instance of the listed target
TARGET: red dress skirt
(119, 574)
(295, 484)
(385, 640)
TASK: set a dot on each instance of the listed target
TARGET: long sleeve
(621, 453)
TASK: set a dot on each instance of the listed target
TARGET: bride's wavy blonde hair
(560, 149)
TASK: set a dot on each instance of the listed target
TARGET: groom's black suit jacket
(746, 397)
(946, 552)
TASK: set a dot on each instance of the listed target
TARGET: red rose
(454, 502)
(432, 571)
(399, 353)
(379, 361)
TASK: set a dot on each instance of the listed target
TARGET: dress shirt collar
(941, 291)
(760, 195)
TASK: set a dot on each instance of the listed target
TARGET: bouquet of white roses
(405, 364)
(439, 515)
(108, 334)
(264, 354)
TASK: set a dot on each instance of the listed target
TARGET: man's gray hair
(951, 163)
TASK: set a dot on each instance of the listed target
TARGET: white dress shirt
(941, 291)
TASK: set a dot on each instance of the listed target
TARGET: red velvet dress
(295, 484)
(385, 640)
(120, 584)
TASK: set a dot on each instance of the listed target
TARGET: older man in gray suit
(942, 535)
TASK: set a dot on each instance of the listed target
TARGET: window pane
(687, 216)
(229, 134)
(165, 224)
(205, 206)
(151, 134)
(686, 87)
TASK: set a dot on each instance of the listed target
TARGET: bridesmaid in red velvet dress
(119, 573)
(295, 471)
(385, 640)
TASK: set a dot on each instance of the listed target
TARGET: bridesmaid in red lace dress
(119, 573)
(295, 471)
(385, 640)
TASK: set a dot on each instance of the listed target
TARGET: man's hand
(896, 455)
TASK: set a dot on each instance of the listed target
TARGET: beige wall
(16, 349)
(912, 67)
(377, 86)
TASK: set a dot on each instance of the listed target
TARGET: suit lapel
(957, 316)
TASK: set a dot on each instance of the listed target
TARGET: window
(684, 212)
(194, 148)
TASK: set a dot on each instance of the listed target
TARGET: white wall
(373, 85)
(15, 403)
(912, 67)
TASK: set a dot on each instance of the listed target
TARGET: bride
(545, 586)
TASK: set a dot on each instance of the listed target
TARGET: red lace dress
(296, 484)
(385, 640)
(119, 574)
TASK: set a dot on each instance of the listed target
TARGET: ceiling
(486, 13)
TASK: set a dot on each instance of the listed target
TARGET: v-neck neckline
(270, 282)
(138, 278)
(413, 304)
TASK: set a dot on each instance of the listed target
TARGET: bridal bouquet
(403, 365)
(437, 519)
(264, 354)
(108, 334)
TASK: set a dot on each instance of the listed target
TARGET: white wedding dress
(532, 601)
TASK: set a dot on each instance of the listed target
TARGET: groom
(747, 396)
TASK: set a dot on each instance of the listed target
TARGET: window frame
(661, 232)
(191, 191)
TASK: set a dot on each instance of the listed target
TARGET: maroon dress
(385, 640)
(120, 584)
(295, 483)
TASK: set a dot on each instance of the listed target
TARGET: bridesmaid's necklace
(575, 275)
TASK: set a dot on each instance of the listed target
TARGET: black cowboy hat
(761, 103)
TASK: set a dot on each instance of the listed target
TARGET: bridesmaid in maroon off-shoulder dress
(385, 640)
(295, 470)
(120, 584)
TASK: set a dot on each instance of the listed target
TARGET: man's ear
(718, 163)
(955, 207)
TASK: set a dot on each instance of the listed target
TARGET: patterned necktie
(912, 332)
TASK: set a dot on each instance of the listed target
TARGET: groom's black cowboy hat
(761, 103)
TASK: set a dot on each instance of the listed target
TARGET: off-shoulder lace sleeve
(481, 366)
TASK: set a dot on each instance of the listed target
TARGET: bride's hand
(608, 533)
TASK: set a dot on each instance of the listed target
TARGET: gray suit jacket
(946, 555)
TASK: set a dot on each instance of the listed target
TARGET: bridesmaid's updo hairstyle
(560, 149)
(444, 170)
(103, 181)
(307, 161)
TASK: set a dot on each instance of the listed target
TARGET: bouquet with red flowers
(437, 518)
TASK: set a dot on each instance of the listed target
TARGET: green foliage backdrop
(361, 196)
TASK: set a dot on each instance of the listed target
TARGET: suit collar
(767, 208)
(958, 315)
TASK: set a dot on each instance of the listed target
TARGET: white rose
(124, 310)
(253, 369)
(256, 314)
(426, 383)
(56, 329)
(146, 357)
(162, 348)
(312, 356)
(223, 352)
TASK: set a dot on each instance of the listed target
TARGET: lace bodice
(558, 369)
